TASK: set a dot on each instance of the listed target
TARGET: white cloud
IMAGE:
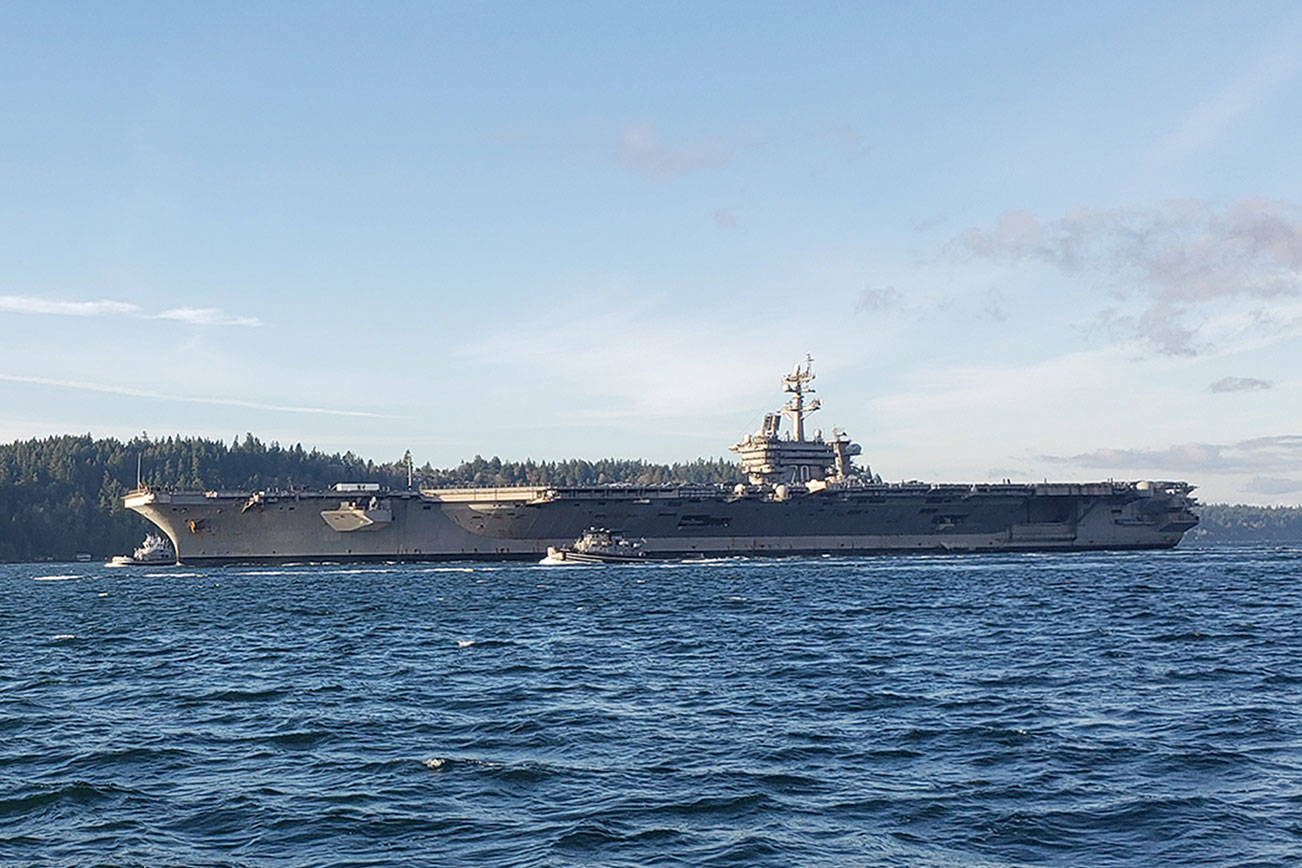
(107, 307)
(639, 148)
(879, 300)
(206, 316)
(1239, 384)
(1279, 453)
(1163, 267)
(51, 307)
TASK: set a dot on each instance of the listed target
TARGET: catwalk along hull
(686, 521)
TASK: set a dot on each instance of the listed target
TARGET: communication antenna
(797, 383)
(138, 483)
(407, 458)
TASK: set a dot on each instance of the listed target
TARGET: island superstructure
(804, 495)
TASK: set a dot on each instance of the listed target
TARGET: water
(1130, 709)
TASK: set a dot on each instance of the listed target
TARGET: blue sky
(1020, 240)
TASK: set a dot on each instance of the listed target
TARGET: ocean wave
(923, 710)
(30, 799)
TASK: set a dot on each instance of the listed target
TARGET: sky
(1019, 240)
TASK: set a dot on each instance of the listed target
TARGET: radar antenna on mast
(797, 383)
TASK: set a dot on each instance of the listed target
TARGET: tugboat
(598, 546)
(154, 551)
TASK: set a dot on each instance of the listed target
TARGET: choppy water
(1088, 709)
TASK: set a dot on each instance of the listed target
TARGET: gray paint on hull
(213, 529)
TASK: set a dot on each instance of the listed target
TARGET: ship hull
(505, 524)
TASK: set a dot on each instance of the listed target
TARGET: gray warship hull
(805, 496)
(685, 521)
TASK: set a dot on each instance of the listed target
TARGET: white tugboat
(598, 546)
(153, 552)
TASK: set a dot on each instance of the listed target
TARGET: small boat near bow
(598, 546)
(155, 551)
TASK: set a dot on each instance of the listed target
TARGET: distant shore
(1242, 523)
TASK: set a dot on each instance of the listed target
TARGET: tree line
(1223, 522)
(63, 495)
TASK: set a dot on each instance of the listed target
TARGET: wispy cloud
(52, 307)
(1274, 485)
(1239, 384)
(639, 149)
(995, 306)
(108, 307)
(1260, 80)
(641, 357)
(726, 218)
(879, 300)
(1175, 260)
(131, 392)
(206, 316)
(1260, 454)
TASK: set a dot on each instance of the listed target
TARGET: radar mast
(797, 383)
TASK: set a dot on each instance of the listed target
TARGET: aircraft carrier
(805, 496)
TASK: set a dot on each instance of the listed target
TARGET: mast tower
(797, 384)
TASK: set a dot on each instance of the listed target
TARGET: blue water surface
(1084, 709)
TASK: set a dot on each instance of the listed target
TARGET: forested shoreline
(1245, 523)
(62, 495)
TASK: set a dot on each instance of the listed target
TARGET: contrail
(189, 399)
